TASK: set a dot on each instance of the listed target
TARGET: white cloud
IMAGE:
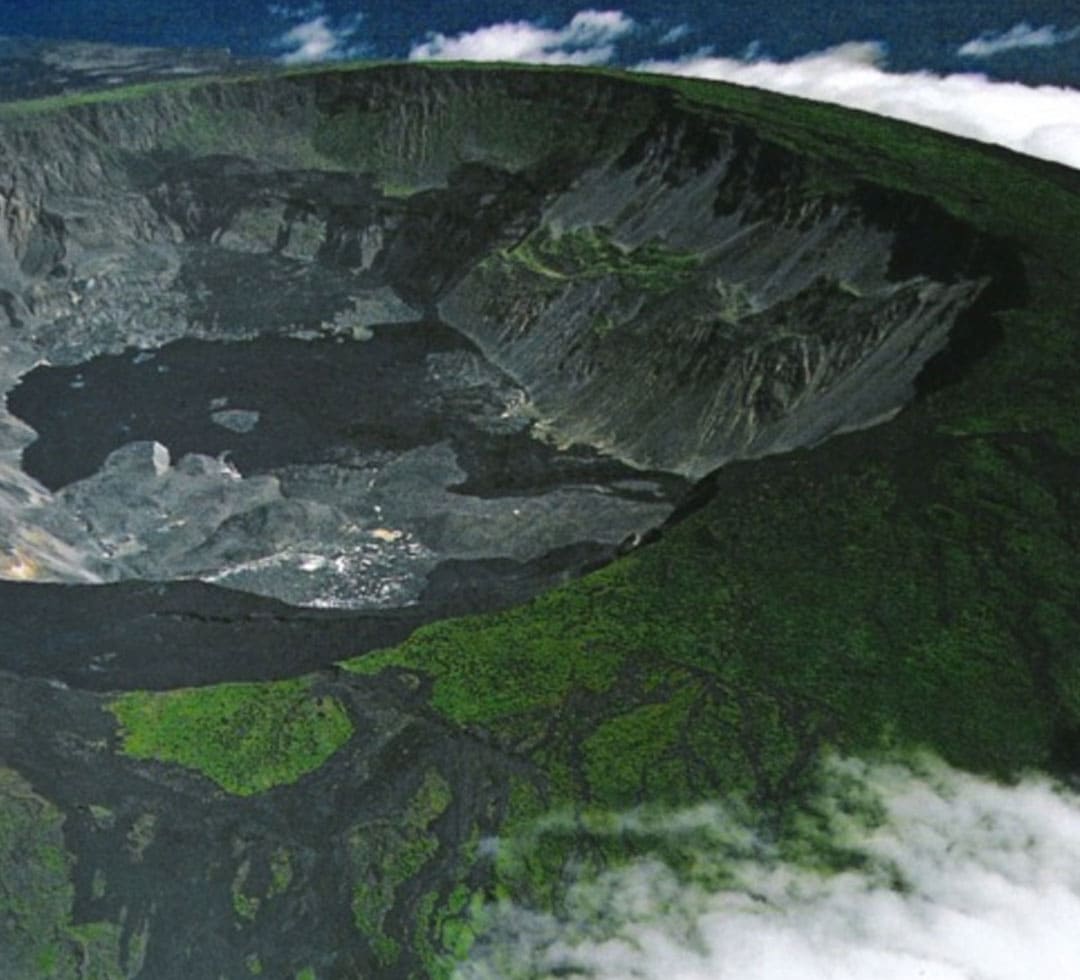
(1022, 35)
(318, 37)
(1042, 122)
(306, 12)
(588, 39)
(675, 34)
(988, 876)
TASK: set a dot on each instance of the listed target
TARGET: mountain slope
(693, 278)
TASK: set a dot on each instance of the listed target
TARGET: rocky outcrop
(664, 285)
(773, 315)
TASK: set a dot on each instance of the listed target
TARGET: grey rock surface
(662, 294)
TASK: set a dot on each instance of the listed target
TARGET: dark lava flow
(310, 396)
(273, 402)
(287, 407)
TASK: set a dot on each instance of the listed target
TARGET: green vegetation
(577, 868)
(248, 738)
(913, 586)
(449, 916)
(586, 253)
(388, 853)
(909, 587)
(446, 930)
(822, 600)
(518, 283)
(37, 935)
(904, 587)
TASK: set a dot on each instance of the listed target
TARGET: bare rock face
(665, 288)
(681, 315)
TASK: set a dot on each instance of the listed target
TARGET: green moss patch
(388, 853)
(247, 738)
(589, 254)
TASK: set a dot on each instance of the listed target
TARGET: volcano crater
(415, 339)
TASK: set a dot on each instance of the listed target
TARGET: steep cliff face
(685, 305)
(660, 283)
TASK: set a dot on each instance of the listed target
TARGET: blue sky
(919, 33)
(1004, 71)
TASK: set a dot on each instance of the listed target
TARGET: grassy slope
(909, 587)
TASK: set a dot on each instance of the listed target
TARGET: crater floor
(327, 472)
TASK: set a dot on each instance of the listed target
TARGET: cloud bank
(588, 39)
(317, 36)
(955, 878)
(676, 34)
(1022, 35)
(1042, 122)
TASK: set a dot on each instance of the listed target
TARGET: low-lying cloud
(588, 39)
(1041, 122)
(956, 878)
(317, 36)
(1020, 36)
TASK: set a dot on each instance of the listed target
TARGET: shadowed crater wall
(323, 338)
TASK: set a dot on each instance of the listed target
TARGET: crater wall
(655, 282)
